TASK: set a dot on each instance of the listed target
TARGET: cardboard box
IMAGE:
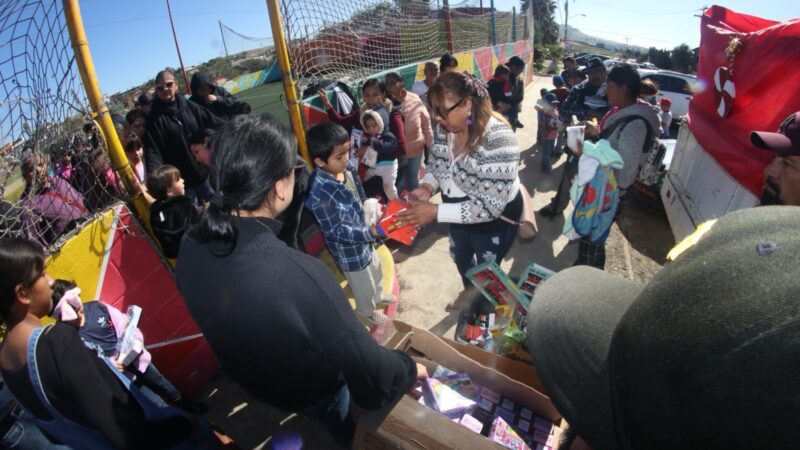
(410, 425)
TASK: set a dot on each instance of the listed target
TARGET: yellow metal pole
(289, 87)
(102, 116)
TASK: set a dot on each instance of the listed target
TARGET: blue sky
(131, 40)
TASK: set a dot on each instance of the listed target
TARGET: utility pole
(224, 45)
(702, 11)
(177, 47)
(566, 21)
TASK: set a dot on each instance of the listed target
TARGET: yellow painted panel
(420, 71)
(81, 258)
(465, 61)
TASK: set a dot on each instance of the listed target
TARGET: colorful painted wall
(481, 62)
(113, 259)
(251, 80)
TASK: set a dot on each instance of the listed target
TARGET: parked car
(676, 86)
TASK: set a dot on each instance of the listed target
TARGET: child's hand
(361, 150)
(118, 365)
(211, 98)
(591, 129)
(324, 97)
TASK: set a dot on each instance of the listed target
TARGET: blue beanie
(557, 80)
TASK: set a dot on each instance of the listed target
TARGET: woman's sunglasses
(443, 113)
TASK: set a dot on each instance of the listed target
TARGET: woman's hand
(422, 372)
(324, 97)
(422, 213)
(423, 193)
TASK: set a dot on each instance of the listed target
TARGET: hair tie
(217, 199)
(67, 308)
(477, 85)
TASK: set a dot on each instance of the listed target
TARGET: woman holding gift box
(474, 164)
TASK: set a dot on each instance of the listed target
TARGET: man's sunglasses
(444, 113)
(165, 86)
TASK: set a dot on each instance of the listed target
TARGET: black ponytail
(251, 153)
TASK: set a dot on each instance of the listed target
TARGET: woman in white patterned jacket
(473, 164)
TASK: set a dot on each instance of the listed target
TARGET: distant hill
(576, 35)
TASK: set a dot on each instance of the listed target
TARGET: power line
(648, 13)
(627, 35)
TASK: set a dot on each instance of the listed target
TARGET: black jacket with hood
(170, 219)
(225, 106)
(170, 127)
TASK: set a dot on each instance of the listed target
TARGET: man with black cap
(704, 356)
(782, 175)
(586, 101)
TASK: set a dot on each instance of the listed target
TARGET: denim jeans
(152, 379)
(468, 248)
(26, 435)
(548, 148)
(409, 178)
(334, 413)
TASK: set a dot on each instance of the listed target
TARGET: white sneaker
(386, 300)
(376, 318)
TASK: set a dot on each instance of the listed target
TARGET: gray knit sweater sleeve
(488, 176)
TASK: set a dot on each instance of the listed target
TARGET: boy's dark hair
(515, 61)
(201, 136)
(133, 144)
(135, 114)
(59, 288)
(543, 91)
(396, 76)
(501, 69)
(447, 60)
(568, 58)
(159, 182)
(323, 137)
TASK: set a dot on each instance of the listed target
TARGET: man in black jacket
(215, 98)
(586, 101)
(517, 67)
(171, 123)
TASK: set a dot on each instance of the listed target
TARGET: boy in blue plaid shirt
(336, 198)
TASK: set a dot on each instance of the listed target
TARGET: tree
(545, 27)
(660, 58)
(682, 58)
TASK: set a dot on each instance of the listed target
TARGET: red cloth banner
(753, 93)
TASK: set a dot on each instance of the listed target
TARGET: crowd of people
(222, 181)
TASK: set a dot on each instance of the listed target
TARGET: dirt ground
(636, 249)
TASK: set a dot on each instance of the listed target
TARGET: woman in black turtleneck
(276, 318)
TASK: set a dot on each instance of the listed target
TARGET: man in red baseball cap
(782, 175)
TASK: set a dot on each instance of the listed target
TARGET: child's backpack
(597, 205)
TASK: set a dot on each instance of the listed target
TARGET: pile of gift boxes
(502, 328)
(483, 411)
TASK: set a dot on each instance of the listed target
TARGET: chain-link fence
(54, 168)
(351, 39)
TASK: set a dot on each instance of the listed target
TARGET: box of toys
(472, 399)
